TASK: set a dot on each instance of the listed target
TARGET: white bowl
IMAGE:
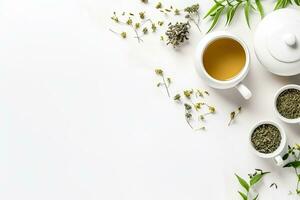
(277, 154)
(290, 121)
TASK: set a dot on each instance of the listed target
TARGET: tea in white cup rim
(224, 35)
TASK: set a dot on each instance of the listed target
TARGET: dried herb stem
(233, 115)
(167, 86)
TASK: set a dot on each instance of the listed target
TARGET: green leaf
(257, 178)
(278, 4)
(228, 22)
(244, 196)
(297, 2)
(216, 18)
(294, 164)
(243, 183)
(229, 13)
(213, 9)
(255, 198)
(260, 8)
(247, 11)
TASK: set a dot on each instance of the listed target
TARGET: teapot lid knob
(290, 39)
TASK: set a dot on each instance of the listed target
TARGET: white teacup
(235, 81)
(279, 152)
(290, 121)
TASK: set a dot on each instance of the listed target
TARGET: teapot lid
(277, 42)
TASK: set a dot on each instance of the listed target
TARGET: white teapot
(277, 42)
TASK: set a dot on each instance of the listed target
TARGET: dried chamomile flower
(193, 14)
(123, 35)
(188, 93)
(187, 107)
(158, 5)
(145, 30)
(129, 21)
(211, 109)
(153, 27)
(165, 83)
(142, 15)
(192, 9)
(159, 72)
(233, 115)
(160, 23)
(177, 97)
(137, 25)
(176, 12)
(115, 18)
(144, 1)
(198, 106)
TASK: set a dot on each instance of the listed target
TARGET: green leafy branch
(285, 3)
(294, 154)
(229, 7)
(253, 179)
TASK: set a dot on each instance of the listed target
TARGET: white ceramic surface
(277, 154)
(279, 91)
(277, 42)
(234, 82)
(81, 116)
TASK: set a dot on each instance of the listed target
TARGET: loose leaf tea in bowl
(288, 103)
(266, 138)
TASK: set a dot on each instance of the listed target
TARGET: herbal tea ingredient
(266, 138)
(138, 23)
(294, 162)
(195, 110)
(177, 33)
(288, 103)
(229, 8)
(233, 115)
(253, 180)
(193, 14)
(166, 82)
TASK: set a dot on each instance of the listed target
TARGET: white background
(81, 117)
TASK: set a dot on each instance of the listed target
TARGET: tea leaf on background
(254, 178)
(274, 184)
(294, 164)
(243, 182)
(260, 8)
(216, 17)
(257, 178)
(255, 198)
(247, 9)
(244, 196)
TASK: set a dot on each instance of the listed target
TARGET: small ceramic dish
(290, 121)
(278, 153)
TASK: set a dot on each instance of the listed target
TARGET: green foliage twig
(253, 179)
(230, 7)
(294, 154)
(285, 3)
